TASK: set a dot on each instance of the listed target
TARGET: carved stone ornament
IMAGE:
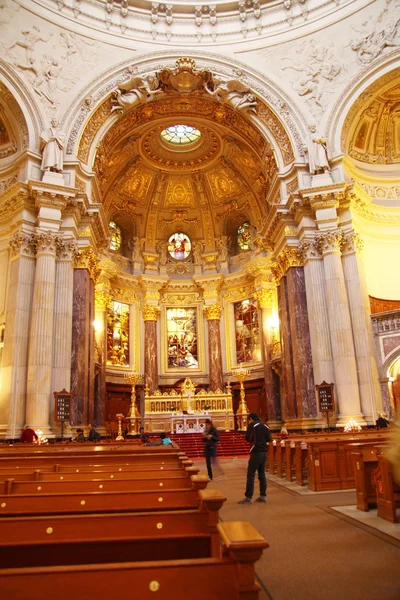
(289, 257)
(308, 251)
(67, 250)
(265, 298)
(351, 244)
(102, 300)
(213, 312)
(185, 78)
(329, 242)
(23, 244)
(47, 242)
(87, 259)
(150, 313)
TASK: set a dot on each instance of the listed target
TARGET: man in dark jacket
(258, 434)
(210, 439)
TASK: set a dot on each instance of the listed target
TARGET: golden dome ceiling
(372, 128)
(197, 187)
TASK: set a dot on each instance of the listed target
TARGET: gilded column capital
(23, 243)
(351, 244)
(329, 242)
(289, 257)
(150, 313)
(102, 300)
(265, 298)
(87, 259)
(67, 250)
(47, 242)
(213, 312)
(308, 250)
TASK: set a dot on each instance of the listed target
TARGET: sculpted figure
(235, 93)
(163, 251)
(31, 37)
(371, 46)
(197, 252)
(317, 151)
(52, 144)
(223, 244)
(138, 247)
(137, 90)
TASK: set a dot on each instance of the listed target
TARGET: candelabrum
(134, 415)
(119, 437)
(243, 411)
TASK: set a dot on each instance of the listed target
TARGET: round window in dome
(180, 134)
(179, 246)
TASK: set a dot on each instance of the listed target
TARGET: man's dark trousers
(256, 464)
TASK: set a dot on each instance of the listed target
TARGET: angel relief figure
(234, 93)
(136, 91)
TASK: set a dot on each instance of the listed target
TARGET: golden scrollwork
(150, 313)
(102, 300)
(213, 312)
(289, 257)
(329, 242)
(87, 259)
(265, 298)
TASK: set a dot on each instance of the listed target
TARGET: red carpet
(232, 443)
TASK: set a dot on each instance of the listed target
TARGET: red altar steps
(232, 443)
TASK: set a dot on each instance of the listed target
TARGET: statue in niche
(163, 251)
(136, 91)
(137, 245)
(198, 248)
(223, 245)
(234, 93)
(52, 145)
(317, 152)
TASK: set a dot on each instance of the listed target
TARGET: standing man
(258, 434)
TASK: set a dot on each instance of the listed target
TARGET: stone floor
(316, 552)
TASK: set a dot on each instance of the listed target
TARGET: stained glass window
(179, 246)
(180, 134)
(244, 236)
(247, 331)
(118, 334)
(182, 338)
(116, 236)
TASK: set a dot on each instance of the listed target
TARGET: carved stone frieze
(173, 299)
(124, 295)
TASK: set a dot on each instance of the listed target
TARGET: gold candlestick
(242, 411)
(134, 415)
(119, 437)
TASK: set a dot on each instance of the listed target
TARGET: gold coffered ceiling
(195, 188)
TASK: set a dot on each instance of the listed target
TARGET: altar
(186, 412)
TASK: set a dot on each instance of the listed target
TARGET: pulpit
(186, 412)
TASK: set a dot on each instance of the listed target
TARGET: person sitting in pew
(28, 435)
(381, 422)
(163, 441)
(79, 437)
(94, 435)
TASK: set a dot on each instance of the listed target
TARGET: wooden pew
(232, 575)
(365, 465)
(387, 491)
(271, 458)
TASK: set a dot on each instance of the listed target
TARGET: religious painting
(182, 350)
(247, 331)
(244, 236)
(118, 334)
(179, 246)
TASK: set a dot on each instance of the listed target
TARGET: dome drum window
(180, 135)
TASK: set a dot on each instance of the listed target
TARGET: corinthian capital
(265, 298)
(87, 259)
(47, 242)
(213, 312)
(329, 242)
(67, 250)
(351, 243)
(23, 243)
(308, 250)
(150, 313)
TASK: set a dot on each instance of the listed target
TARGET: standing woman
(210, 439)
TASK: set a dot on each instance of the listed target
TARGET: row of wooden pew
(100, 521)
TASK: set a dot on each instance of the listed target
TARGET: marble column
(213, 315)
(82, 358)
(341, 335)
(102, 302)
(300, 335)
(150, 317)
(271, 380)
(16, 334)
(368, 378)
(64, 288)
(289, 399)
(40, 356)
(321, 351)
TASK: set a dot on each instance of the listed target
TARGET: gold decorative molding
(329, 242)
(180, 300)
(102, 300)
(150, 313)
(289, 257)
(265, 298)
(126, 296)
(87, 259)
(213, 312)
(351, 243)
(308, 251)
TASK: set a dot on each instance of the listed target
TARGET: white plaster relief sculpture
(137, 90)
(234, 93)
(372, 45)
(163, 252)
(52, 145)
(31, 38)
(317, 152)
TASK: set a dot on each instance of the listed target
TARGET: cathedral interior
(199, 236)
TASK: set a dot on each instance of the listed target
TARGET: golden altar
(186, 412)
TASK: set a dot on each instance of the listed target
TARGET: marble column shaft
(341, 335)
(289, 398)
(82, 358)
(150, 355)
(214, 354)
(271, 380)
(300, 336)
(101, 303)
(16, 335)
(40, 356)
(368, 378)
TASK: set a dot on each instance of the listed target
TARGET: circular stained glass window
(180, 134)
(179, 246)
